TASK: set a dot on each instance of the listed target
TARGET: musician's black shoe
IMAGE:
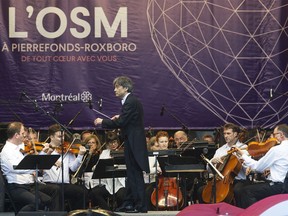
(125, 208)
(132, 211)
(142, 209)
(136, 210)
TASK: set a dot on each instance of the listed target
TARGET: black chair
(6, 201)
(285, 185)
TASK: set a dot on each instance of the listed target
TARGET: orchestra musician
(32, 135)
(209, 138)
(150, 179)
(179, 138)
(72, 193)
(231, 135)
(85, 134)
(21, 183)
(169, 194)
(92, 143)
(276, 160)
(130, 121)
(104, 191)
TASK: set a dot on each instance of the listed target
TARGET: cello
(169, 194)
(223, 187)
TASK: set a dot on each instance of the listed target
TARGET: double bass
(229, 169)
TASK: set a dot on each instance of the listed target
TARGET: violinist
(231, 135)
(21, 183)
(100, 194)
(73, 193)
(276, 159)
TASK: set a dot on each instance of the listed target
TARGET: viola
(169, 194)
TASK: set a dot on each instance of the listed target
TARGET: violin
(31, 147)
(258, 149)
(68, 147)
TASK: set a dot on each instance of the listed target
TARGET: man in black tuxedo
(130, 121)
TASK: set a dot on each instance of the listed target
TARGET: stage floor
(151, 213)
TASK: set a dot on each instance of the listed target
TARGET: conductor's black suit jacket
(131, 124)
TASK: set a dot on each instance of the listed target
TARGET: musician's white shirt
(70, 162)
(11, 156)
(151, 177)
(90, 183)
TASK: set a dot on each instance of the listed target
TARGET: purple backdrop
(201, 62)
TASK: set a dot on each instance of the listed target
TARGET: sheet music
(212, 166)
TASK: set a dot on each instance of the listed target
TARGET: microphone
(22, 94)
(271, 93)
(36, 106)
(90, 104)
(87, 147)
(162, 111)
(100, 104)
(58, 107)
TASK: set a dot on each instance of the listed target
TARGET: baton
(101, 113)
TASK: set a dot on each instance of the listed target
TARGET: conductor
(130, 121)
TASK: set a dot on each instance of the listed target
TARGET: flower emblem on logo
(86, 96)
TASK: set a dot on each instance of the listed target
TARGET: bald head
(180, 137)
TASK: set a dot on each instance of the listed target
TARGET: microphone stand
(174, 117)
(9, 107)
(63, 129)
(74, 118)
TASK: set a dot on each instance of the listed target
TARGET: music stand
(110, 168)
(37, 162)
(198, 148)
(156, 155)
(163, 163)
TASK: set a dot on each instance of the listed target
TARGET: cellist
(169, 194)
(231, 134)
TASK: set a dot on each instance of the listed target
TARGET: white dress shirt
(70, 162)
(222, 151)
(119, 182)
(151, 177)
(276, 159)
(11, 156)
(90, 183)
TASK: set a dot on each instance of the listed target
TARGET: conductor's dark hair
(125, 82)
